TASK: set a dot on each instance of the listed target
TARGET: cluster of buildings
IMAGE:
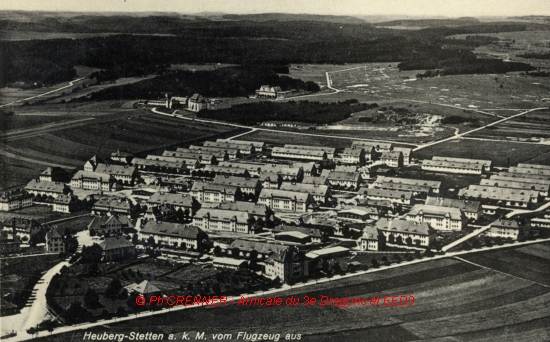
(195, 103)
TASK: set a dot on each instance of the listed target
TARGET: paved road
(477, 129)
(36, 312)
(24, 336)
(47, 93)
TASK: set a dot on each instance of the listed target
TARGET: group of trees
(222, 82)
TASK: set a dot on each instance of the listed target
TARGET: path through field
(71, 83)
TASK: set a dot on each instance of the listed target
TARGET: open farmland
(24, 156)
(490, 93)
(498, 152)
(512, 44)
(533, 126)
(282, 137)
(520, 262)
(463, 298)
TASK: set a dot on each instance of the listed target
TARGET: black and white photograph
(275, 170)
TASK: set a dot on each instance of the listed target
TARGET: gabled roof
(309, 166)
(223, 215)
(37, 185)
(312, 189)
(237, 181)
(283, 170)
(113, 202)
(313, 232)
(249, 207)
(299, 196)
(381, 145)
(65, 199)
(187, 154)
(353, 152)
(105, 177)
(533, 166)
(464, 205)
(391, 155)
(541, 180)
(386, 193)
(328, 150)
(370, 233)
(256, 144)
(226, 169)
(115, 242)
(99, 222)
(404, 187)
(516, 184)
(273, 176)
(453, 164)
(53, 234)
(171, 229)
(464, 160)
(145, 287)
(403, 226)
(202, 186)
(321, 180)
(260, 247)
(384, 179)
(198, 98)
(182, 200)
(434, 210)
(160, 163)
(214, 150)
(344, 176)
(117, 170)
(314, 153)
(496, 193)
(510, 224)
(404, 150)
(227, 144)
(529, 171)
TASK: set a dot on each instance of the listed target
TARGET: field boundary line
(71, 83)
(492, 269)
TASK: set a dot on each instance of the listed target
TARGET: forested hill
(431, 22)
(295, 17)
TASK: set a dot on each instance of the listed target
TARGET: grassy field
(451, 298)
(498, 152)
(517, 262)
(133, 130)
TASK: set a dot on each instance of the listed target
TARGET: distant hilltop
(295, 17)
(431, 22)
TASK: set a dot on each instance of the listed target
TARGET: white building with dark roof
(505, 197)
(292, 153)
(93, 181)
(353, 156)
(379, 146)
(401, 197)
(232, 153)
(440, 218)
(472, 209)
(224, 220)
(244, 149)
(259, 146)
(173, 234)
(505, 229)
(15, 199)
(247, 185)
(417, 186)
(370, 240)
(174, 201)
(343, 179)
(541, 187)
(123, 173)
(331, 151)
(112, 205)
(116, 248)
(392, 159)
(420, 234)
(406, 151)
(319, 193)
(285, 200)
(197, 102)
(44, 188)
(216, 193)
(65, 204)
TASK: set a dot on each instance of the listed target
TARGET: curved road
(71, 83)
(31, 316)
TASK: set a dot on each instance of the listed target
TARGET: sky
(449, 8)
